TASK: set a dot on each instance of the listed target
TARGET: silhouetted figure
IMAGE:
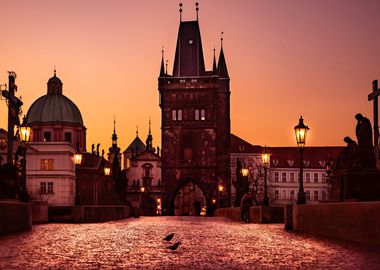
(169, 237)
(93, 149)
(175, 246)
(347, 158)
(244, 207)
(365, 154)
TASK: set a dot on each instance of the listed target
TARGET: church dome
(54, 107)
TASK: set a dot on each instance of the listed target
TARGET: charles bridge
(206, 243)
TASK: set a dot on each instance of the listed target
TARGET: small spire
(137, 131)
(214, 62)
(221, 39)
(180, 12)
(222, 66)
(162, 70)
(197, 9)
(149, 125)
(114, 124)
(55, 72)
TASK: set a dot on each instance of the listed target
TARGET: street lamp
(301, 132)
(78, 156)
(244, 172)
(107, 171)
(220, 188)
(24, 133)
(265, 156)
(78, 161)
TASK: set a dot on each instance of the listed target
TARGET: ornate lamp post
(107, 171)
(221, 189)
(265, 156)
(301, 132)
(24, 133)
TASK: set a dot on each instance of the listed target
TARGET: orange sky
(285, 58)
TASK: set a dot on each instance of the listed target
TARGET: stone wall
(15, 217)
(356, 221)
(40, 212)
(257, 214)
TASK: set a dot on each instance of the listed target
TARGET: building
(284, 173)
(57, 129)
(136, 147)
(144, 188)
(195, 109)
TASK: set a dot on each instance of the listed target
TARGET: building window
(276, 194)
(283, 177)
(68, 137)
(307, 177)
(292, 177)
(292, 194)
(47, 136)
(47, 164)
(284, 195)
(196, 116)
(176, 115)
(315, 177)
(308, 195)
(203, 115)
(323, 195)
(46, 188)
(315, 195)
(276, 177)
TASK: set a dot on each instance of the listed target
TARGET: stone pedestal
(355, 185)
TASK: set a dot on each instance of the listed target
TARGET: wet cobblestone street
(207, 243)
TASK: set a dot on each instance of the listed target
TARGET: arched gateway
(195, 115)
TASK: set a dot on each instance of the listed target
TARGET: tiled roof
(238, 145)
(314, 156)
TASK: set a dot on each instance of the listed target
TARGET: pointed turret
(222, 66)
(114, 148)
(149, 140)
(162, 70)
(214, 63)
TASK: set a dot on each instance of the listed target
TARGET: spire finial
(114, 124)
(137, 131)
(162, 51)
(221, 39)
(197, 9)
(180, 12)
(149, 125)
(55, 71)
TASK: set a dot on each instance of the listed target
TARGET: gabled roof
(136, 145)
(238, 145)
(314, 156)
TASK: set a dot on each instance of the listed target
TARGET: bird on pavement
(175, 246)
(168, 237)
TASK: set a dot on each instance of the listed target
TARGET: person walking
(244, 207)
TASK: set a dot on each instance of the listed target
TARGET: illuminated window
(203, 115)
(47, 164)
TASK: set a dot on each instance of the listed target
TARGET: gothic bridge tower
(195, 107)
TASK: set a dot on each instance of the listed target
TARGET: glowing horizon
(285, 59)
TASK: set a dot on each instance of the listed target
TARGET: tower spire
(197, 9)
(162, 70)
(214, 62)
(180, 12)
(149, 139)
(222, 66)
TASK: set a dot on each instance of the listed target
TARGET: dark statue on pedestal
(355, 176)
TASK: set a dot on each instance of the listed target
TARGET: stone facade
(195, 125)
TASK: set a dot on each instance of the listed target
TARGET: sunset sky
(285, 58)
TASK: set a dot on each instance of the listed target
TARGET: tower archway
(190, 200)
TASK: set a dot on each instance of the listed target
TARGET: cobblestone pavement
(207, 243)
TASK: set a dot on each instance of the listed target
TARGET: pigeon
(175, 246)
(169, 237)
